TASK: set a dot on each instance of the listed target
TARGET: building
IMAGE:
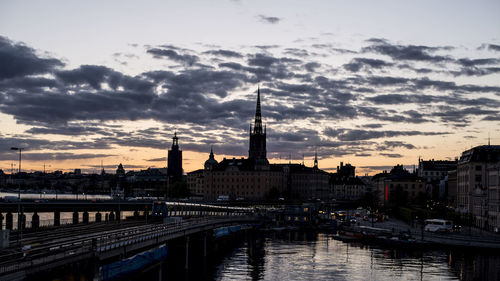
(241, 178)
(345, 185)
(399, 187)
(433, 172)
(120, 171)
(253, 178)
(472, 182)
(305, 183)
(493, 171)
(174, 165)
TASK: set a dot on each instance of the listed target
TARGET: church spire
(257, 129)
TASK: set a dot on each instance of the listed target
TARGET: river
(313, 256)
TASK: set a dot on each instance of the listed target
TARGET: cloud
(224, 53)
(406, 52)
(48, 156)
(388, 145)
(391, 155)
(270, 20)
(174, 56)
(160, 159)
(18, 60)
(493, 47)
(366, 64)
(356, 134)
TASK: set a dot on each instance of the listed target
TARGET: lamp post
(20, 149)
(19, 214)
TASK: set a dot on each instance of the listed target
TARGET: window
(479, 168)
(478, 178)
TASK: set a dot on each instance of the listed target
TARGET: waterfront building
(345, 185)
(399, 186)
(433, 172)
(472, 182)
(174, 165)
(493, 172)
(305, 183)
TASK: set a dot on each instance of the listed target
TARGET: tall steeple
(257, 128)
(257, 149)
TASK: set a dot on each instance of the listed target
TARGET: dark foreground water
(312, 256)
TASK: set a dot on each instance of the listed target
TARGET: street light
(20, 149)
(19, 214)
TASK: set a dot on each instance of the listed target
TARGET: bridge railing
(108, 240)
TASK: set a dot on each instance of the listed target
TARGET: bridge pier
(1, 221)
(111, 216)
(106, 217)
(8, 221)
(35, 220)
(187, 253)
(98, 217)
(75, 217)
(57, 218)
(204, 244)
(160, 271)
(85, 217)
(118, 215)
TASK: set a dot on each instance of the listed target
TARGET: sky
(370, 83)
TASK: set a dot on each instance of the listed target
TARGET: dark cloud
(267, 19)
(391, 155)
(48, 156)
(16, 59)
(160, 159)
(387, 145)
(493, 47)
(312, 66)
(356, 134)
(174, 56)
(358, 64)
(224, 53)
(406, 52)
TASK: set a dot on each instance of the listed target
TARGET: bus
(438, 225)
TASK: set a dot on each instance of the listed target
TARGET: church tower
(174, 168)
(257, 149)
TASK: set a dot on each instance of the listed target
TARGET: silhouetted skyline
(371, 84)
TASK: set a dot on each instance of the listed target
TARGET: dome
(211, 162)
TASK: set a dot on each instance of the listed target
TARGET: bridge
(105, 210)
(99, 248)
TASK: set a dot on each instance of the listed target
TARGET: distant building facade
(399, 186)
(472, 182)
(345, 185)
(493, 171)
(433, 172)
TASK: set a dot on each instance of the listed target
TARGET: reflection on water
(308, 256)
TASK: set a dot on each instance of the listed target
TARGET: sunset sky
(371, 83)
